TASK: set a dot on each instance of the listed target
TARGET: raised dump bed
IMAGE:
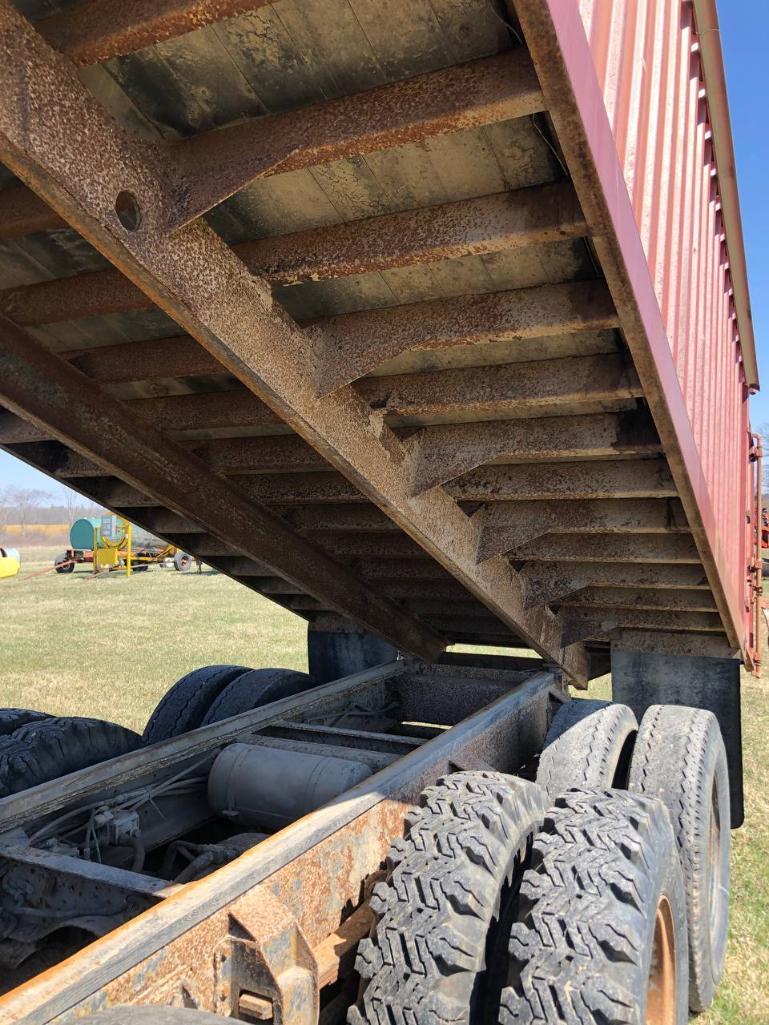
(429, 321)
(380, 338)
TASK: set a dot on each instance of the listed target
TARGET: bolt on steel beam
(115, 190)
(491, 224)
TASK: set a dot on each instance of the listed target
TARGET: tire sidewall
(712, 942)
(667, 775)
(669, 884)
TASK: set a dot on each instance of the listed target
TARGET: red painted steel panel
(664, 95)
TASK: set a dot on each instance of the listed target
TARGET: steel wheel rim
(661, 996)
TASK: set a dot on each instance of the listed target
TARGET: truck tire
(254, 689)
(42, 751)
(601, 935)
(183, 562)
(63, 564)
(680, 758)
(13, 718)
(588, 745)
(435, 954)
(184, 706)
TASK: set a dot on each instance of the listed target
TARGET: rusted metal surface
(551, 582)
(357, 343)
(300, 489)
(486, 392)
(99, 29)
(337, 518)
(627, 598)
(503, 526)
(594, 623)
(14, 430)
(138, 361)
(22, 213)
(668, 549)
(213, 166)
(200, 413)
(643, 478)
(439, 454)
(460, 286)
(317, 866)
(62, 400)
(259, 455)
(584, 624)
(492, 224)
(190, 271)
(647, 478)
(488, 225)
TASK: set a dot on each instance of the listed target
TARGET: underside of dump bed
(335, 295)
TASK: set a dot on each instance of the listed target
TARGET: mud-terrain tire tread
(584, 746)
(464, 844)
(13, 718)
(580, 950)
(256, 688)
(42, 751)
(678, 755)
(184, 706)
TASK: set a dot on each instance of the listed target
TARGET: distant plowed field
(14, 535)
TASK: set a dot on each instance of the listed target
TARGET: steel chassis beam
(114, 190)
(290, 888)
(60, 398)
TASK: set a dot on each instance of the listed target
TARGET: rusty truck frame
(429, 322)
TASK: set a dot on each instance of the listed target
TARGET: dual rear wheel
(36, 747)
(565, 901)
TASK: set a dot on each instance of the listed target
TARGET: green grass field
(110, 647)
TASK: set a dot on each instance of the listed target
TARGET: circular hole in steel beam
(128, 210)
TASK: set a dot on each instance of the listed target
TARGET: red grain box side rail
(659, 68)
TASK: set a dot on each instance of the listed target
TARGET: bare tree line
(28, 507)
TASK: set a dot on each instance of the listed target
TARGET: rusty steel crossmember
(210, 167)
(43, 387)
(99, 29)
(115, 191)
(529, 217)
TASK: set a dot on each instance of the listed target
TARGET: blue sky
(744, 43)
(743, 39)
